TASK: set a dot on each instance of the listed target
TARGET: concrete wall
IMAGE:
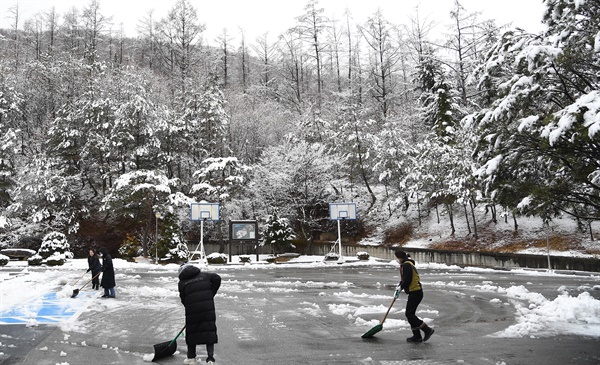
(460, 258)
(485, 259)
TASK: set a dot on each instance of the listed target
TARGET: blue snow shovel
(168, 348)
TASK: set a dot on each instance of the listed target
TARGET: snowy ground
(301, 302)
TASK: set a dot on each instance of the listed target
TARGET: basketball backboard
(339, 211)
(204, 211)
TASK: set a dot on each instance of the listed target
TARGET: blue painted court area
(48, 309)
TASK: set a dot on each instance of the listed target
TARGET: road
(279, 314)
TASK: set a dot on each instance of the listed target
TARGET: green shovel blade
(373, 331)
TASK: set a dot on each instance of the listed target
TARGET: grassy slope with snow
(530, 237)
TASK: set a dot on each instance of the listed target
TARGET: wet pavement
(296, 315)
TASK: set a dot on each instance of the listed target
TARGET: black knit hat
(401, 254)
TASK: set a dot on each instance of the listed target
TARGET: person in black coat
(197, 291)
(95, 268)
(108, 274)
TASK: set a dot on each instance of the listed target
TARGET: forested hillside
(101, 135)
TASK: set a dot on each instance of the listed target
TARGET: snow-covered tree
(53, 243)
(539, 137)
(139, 195)
(276, 232)
(299, 178)
(11, 102)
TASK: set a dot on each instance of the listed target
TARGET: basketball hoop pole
(201, 245)
(341, 258)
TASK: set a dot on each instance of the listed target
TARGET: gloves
(397, 292)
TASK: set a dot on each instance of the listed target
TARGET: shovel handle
(76, 281)
(179, 334)
(95, 276)
(388, 311)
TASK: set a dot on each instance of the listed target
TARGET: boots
(416, 336)
(427, 330)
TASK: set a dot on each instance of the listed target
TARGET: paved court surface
(282, 315)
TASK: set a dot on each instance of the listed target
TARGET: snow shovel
(76, 291)
(379, 327)
(168, 348)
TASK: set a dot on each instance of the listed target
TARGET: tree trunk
(419, 209)
(467, 218)
(515, 221)
(475, 235)
(451, 216)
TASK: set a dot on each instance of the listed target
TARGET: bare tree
(51, 22)
(148, 48)
(310, 26)
(335, 35)
(384, 54)
(224, 41)
(15, 16)
(94, 26)
(265, 52)
(178, 36)
(245, 65)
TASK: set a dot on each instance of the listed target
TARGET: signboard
(244, 230)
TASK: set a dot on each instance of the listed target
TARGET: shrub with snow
(217, 258)
(4, 260)
(244, 259)
(330, 256)
(53, 242)
(181, 252)
(57, 259)
(277, 232)
(362, 255)
(130, 248)
(35, 260)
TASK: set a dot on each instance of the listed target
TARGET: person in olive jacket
(95, 268)
(410, 283)
(197, 291)
(108, 274)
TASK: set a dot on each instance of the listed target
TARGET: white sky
(257, 17)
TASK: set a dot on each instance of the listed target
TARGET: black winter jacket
(94, 264)
(108, 271)
(197, 290)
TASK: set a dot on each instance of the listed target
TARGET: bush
(35, 260)
(217, 258)
(244, 259)
(55, 260)
(331, 256)
(271, 259)
(53, 242)
(130, 248)
(362, 255)
(399, 234)
(180, 253)
(4, 260)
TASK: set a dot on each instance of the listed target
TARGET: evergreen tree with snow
(539, 137)
(277, 232)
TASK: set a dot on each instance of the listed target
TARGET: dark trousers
(95, 279)
(210, 350)
(414, 299)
